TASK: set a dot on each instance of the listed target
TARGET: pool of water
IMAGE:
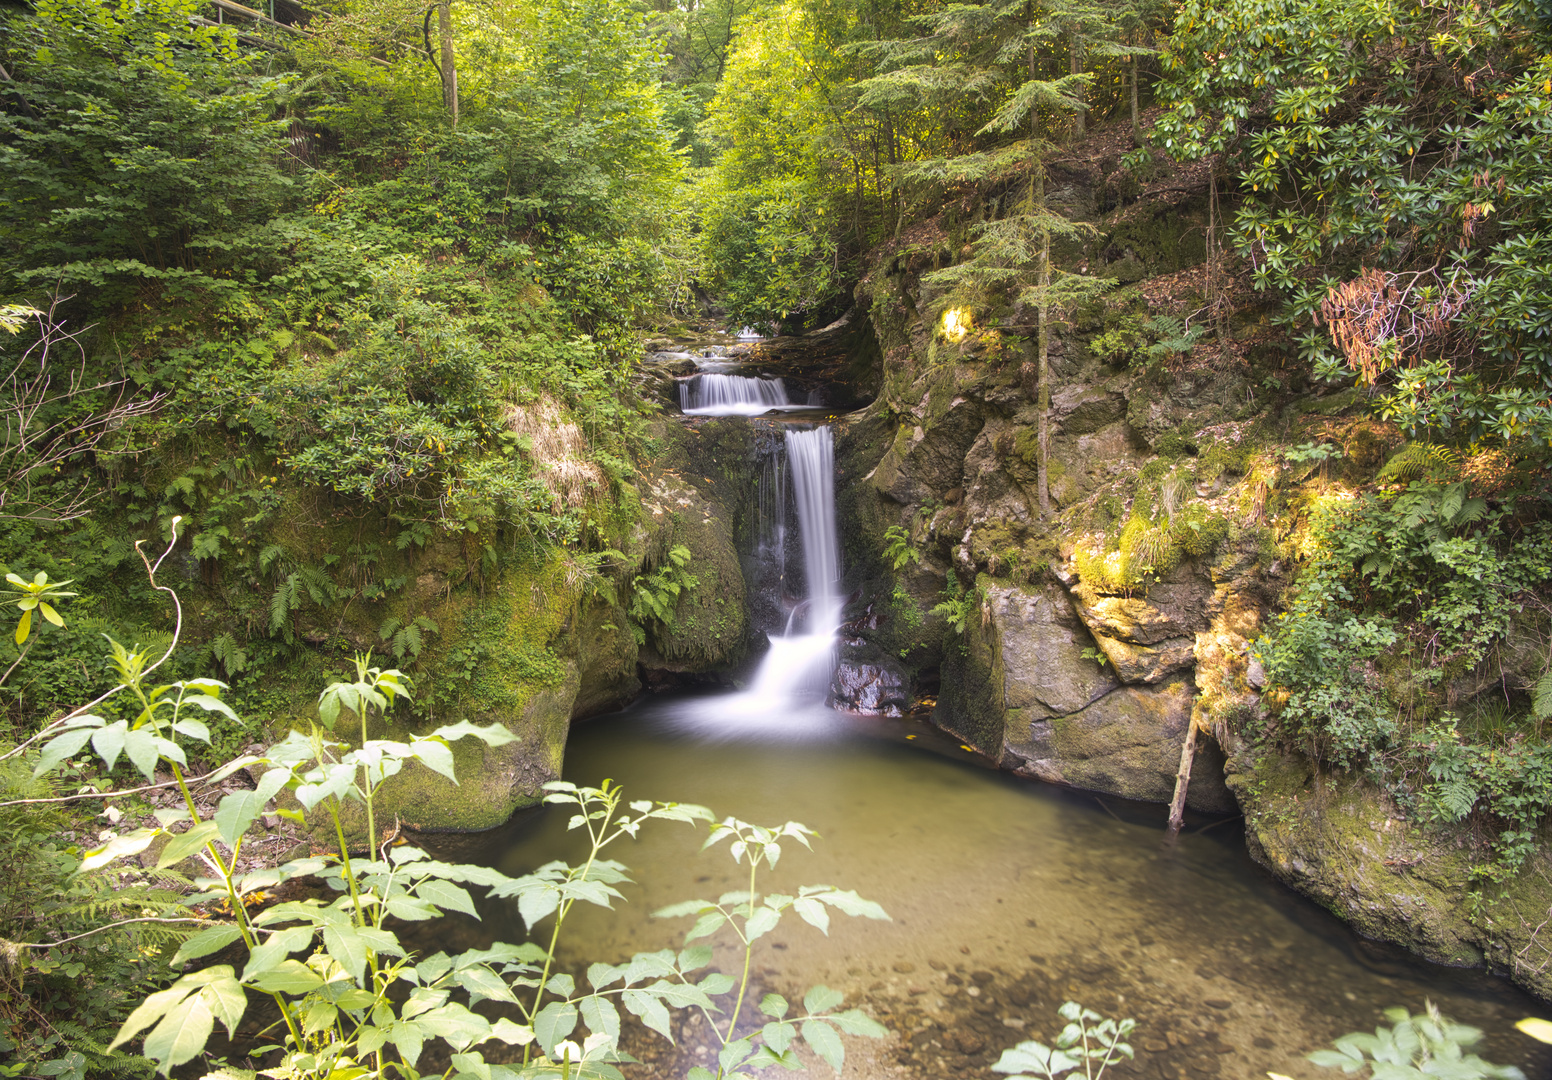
(1007, 897)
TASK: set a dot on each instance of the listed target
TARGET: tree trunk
(1075, 65)
(1043, 348)
(449, 70)
(1138, 140)
(1177, 805)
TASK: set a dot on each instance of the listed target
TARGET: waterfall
(811, 460)
(801, 660)
(710, 394)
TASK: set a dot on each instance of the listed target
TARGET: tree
(1402, 150)
(995, 50)
(136, 146)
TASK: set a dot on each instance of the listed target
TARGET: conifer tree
(978, 54)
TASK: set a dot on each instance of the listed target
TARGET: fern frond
(1418, 459)
(1541, 697)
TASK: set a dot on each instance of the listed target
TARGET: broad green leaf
(850, 903)
(774, 1005)
(762, 922)
(287, 977)
(823, 1040)
(153, 1008)
(117, 848)
(275, 948)
(857, 1022)
(650, 1009)
(436, 756)
(555, 1022)
(734, 1054)
(510, 1033)
(821, 999)
(706, 925)
(319, 1016)
(601, 975)
(601, 1018)
(482, 984)
(183, 845)
(778, 1035)
(194, 729)
(144, 750)
(456, 1025)
(408, 1038)
(490, 734)
(813, 913)
(716, 983)
(694, 958)
(346, 946)
(109, 742)
(226, 999)
(536, 902)
(206, 942)
(447, 896)
(410, 908)
(60, 748)
(181, 1034)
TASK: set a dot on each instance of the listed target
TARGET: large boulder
(1026, 688)
(1341, 841)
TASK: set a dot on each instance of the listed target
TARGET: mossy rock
(1341, 841)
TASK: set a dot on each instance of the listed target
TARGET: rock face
(1339, 840)
(1030, 691)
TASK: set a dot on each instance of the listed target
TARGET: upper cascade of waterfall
(716, 394)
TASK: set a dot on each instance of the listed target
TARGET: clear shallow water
(1007, 898)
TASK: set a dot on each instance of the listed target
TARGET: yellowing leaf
(1540, 1030)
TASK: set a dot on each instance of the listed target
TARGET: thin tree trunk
(449, 70)
(1177, 805)
(1043, 348)
(1075, 65)
(1138, 139)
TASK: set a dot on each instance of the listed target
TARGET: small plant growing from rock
(898, 549)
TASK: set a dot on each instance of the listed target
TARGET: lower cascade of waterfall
(801, 661)
(714, 394)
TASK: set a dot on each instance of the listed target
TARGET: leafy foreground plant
(1089, 1041)
(1416, 1048)
(358, 1004)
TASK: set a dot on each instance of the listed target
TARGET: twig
(100, 929)
(109, 794)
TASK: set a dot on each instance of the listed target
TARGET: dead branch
(34, 447)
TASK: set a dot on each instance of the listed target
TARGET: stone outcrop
(1343, 843)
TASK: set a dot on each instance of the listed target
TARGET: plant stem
(743, 986)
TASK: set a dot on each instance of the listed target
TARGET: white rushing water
(800, 662)
(715, 394)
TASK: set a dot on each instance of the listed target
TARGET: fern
(1415, 460)
(230, 655)
(1541, 697)
(268, 556)
(286, 600)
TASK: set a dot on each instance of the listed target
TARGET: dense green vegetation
(353, 307)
